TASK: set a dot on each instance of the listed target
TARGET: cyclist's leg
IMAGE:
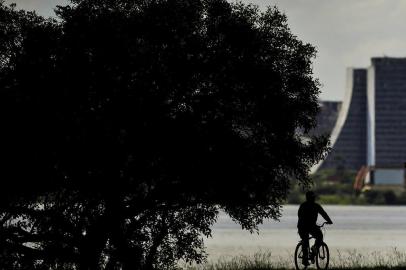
(318, 235)
(304, 234)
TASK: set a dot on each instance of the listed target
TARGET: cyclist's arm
(324, 215)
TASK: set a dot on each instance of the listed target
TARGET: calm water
(363, 228)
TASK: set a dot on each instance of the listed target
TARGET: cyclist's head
(310, 196)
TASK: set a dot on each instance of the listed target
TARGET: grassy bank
(354, 260)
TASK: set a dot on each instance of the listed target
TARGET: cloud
(346, 33)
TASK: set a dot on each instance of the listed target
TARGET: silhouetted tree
(127, 125)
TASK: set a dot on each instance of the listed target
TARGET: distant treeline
(335, 186)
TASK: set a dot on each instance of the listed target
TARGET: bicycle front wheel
(299, 257)
(323, 257)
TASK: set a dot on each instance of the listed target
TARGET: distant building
(387, 112)
(349, 135)
(371, 126)
(327, 117)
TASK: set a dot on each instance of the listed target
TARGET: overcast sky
(347, 33)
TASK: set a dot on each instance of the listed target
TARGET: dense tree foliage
(127, 125)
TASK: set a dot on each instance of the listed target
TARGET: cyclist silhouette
(308, 212)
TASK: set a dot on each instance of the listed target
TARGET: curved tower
(348, 138)
(371, 126)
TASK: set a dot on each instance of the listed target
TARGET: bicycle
(321, 258)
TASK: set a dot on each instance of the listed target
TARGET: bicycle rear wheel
(323, 257)
(299, 257)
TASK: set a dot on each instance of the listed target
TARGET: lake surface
(366, 229)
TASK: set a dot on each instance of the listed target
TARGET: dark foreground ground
(394, 260)
(332, 268)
